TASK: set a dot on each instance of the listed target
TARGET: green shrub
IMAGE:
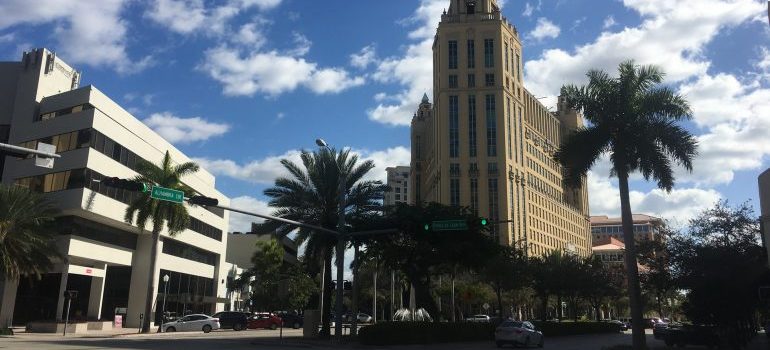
(556, 329)
(6, 331)
(396, 333)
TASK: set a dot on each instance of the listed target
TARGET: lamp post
(165, 293)
(340, 244)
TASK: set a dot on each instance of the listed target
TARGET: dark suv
(232, 320)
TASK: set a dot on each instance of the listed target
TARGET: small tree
(505, 271)
(277, 285)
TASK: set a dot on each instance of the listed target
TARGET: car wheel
(295, 325)
(273, 326)
(237, 327)
(170, 329)
(206, 329)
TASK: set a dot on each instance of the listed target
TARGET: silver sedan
(518, 334)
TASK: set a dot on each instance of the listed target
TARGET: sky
(239, 85)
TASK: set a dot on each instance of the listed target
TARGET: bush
(396, 333)
(556, 329)
(6, 331)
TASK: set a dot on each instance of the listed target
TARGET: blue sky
(240, 84)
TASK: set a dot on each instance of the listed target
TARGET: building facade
(398, 186)
(764, 211)
(107, 260)
(488, 143)
(645, 227)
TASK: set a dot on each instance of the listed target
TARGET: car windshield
(509, 324)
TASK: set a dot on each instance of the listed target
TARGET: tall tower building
(488, 143)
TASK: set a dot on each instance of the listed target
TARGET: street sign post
(449, 225)
(167, 194)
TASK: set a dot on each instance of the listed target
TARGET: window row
(454, 122)
(186, 251)
(64, 111)
(489, 53)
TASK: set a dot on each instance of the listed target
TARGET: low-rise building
(646, 227)
(398, 186)
(764, 204)
(107, 260)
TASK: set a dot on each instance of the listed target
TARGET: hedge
(401, 333)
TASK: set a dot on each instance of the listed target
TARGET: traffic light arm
(22, 150)
(291, 222)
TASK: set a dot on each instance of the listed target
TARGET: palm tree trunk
(327, 297)
(152, 279)
(354, 325)
(632, 271)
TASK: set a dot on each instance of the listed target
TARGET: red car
(264, 320)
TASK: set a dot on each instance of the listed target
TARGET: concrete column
(97, 294)
(60, 296)
(140, 269)
(7, 301)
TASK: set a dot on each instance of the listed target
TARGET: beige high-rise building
(398, 184)
(487, 143)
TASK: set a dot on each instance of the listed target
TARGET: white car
(478, 318)
(518, 334)
(191, 323)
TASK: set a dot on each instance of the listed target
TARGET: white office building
(107, 259)
(398, 185)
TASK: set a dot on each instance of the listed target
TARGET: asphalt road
(267, 340)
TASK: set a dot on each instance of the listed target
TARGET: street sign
(449, 225)
(485, 306)
(43, 161)
(167, 194)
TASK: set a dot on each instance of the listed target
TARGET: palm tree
(27, 241)
(311, 195)
(145, 209)
(634, 119)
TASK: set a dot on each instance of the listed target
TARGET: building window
(472, 125)
(471, 54)
(510, 129)
(189, 252)
(454, 169)
(507, 68)
(475, 195)
(489, 58)
(518, 66)
(398, 189)
(398, 197)
(489, 79)
(454, 192)
(61, 112)
(492, 169)
(491, 126)
(453, 81)
(473, 169)
(454, 125)
(492, 182)
(452, 54)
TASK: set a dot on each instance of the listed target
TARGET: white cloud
(302, 45)
(266, 170)
(609, 22)
(92, 33)
(263, 5)
(679, 205)
(193, 16)
(657, 40)
(271, 73)
(545, 29)
(184, 130)
(764, 62)
(7, 38)
(363, 58)
(241, 222)
(413, 70)
(181, 16)
(251, 34)
(529, 9)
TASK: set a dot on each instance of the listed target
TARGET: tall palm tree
(145, 209)
(311, 195)
(27, 241)
(634, 119)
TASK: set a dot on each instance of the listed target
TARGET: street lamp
(340, 244)
(165, 292)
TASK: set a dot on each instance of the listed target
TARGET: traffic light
(347, 285)
(125, 184)
(426, 227)
(483, 221)
(202, 200)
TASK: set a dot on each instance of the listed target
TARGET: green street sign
(449, 225)
(167, 194)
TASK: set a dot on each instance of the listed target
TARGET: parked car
(685, 334)
(362, 317)
(623, 326)
(478, 318)
(264, 320)
(767, 329)
(290, 319)
(194, 322)
(518, 334)
(234, 320)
